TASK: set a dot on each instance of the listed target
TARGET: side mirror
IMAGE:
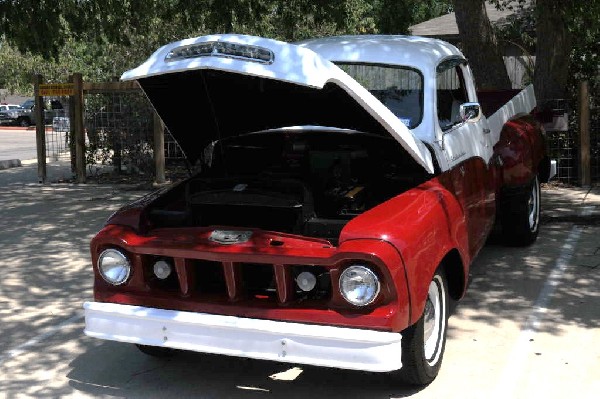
(470, 112)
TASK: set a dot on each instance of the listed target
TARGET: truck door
(468, 150)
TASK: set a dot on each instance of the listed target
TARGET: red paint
(389, 312)
(404, 239)
(520, 149)
(424, 224)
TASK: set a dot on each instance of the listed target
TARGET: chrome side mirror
(470, 112)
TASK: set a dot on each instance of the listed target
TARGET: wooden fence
(578, 152)
(76, 90)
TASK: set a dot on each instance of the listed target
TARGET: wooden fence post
(78, 128)
(585, 167)
(40, 129)
(159, 150)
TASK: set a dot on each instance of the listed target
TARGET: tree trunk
(479, 45)
(552, 51)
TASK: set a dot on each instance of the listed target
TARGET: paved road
(17, 144)
(529, 326)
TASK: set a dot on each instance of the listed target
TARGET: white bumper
(339, 347)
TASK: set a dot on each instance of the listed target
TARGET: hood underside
(225, 104)
(230, 96)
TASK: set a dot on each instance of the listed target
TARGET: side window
(451, 92)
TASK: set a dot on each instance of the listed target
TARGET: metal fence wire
(56, 115)
(564, 147)
(120, 133)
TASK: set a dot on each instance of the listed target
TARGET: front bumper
(339, 347)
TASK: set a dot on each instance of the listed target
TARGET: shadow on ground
(44, 258)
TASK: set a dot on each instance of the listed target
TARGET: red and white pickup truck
(344, 187)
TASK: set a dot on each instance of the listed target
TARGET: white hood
(268, 74)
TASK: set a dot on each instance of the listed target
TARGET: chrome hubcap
(433, 321)
(429, 319)
(533, 206)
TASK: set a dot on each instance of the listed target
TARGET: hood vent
(222, 49)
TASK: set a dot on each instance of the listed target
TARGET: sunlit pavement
(529, 326)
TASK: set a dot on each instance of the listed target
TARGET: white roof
(413, 51)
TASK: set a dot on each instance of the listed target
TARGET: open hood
(213, 87)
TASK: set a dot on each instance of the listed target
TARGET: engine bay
(307, 182)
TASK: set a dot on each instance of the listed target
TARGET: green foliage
(585, 29)
(102, 39)
(395, 17)
(17, 69)
(583, 26)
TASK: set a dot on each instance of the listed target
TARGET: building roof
(445, 27)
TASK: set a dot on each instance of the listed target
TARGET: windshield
(399, 88)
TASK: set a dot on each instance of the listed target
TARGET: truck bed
(492, 100)
(501, 105)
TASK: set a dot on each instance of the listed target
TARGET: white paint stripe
(24, 347)
(516, 363)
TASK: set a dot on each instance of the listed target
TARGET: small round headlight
(306, 281)
(359, 285)
(114, 266)
(162, 269)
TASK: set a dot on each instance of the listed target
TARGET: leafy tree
(553, 49)
(553, 43)
(480, 45)
(396, 16)
(95, 57)
(565, 42)
(101, 39)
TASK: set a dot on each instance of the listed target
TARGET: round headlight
(359, 285)
(114, 267)
(162, 269)
(306, 281)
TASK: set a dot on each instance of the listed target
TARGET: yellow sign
(56, 89)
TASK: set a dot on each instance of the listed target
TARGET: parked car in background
(28, 104)
(346, 185)
(9, 113)
(7, 107)
(24, 115)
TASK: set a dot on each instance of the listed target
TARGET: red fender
(424, 224)
(519, 151)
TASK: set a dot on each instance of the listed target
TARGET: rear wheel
(423, 343)
(521, 216)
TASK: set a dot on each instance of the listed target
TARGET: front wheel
(423, 343)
